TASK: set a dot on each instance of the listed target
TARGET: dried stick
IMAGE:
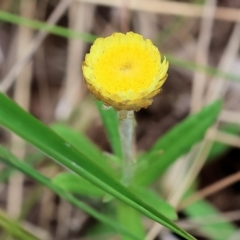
(211, 189)
(22, 97)
(218, 86)
(199, 78)
(171, 8)
(32, 47)
(81, 17)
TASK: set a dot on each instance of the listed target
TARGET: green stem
(127, 133)
(14, 229)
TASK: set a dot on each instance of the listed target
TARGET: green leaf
(100, 232)
(131, 220)
(154, 199)
(110, 122)
(219, 148)
(199, 212)
(13, 162)
(175, 143)
(14, 229)
(35, 132)
(73, 183)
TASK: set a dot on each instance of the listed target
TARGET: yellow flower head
(124, 71)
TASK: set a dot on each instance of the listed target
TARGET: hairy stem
(127, 133)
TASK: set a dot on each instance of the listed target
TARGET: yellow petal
(124, 71)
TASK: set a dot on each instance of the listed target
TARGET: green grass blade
(175, 143)
(100, 232)
(73, 183)
(13, 162)
(14, 229)
(82, 143)
(110, 122)
(200, 210)
(155, 200)
(131, 220)
(32, 159)
(29, 128)
(56, 30)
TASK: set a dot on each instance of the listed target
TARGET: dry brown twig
(211, 219)
(81, 17)
(47, 204)
(218, 86)
(226, 138)
(171, 8)
(204, 39)
(22, 97)
(9, 79)
(209, 190)
(230, 117)
(125, 16)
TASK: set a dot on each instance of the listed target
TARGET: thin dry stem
(125, 16)
(47, 203)
(230, 116)
(191, 173)
(171, 8)
(32, 47)
(218, 86)
(81, 17)
(211, 219)
(202, 51)
(37, 231)
(210, 190)
(64, 219)
(22, 97)
(146, 24)
(226, 138)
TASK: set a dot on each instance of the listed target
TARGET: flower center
(126, 68)
(123, 68)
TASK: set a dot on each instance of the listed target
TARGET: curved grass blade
(14, 229)
(13, 162)
(29, 128)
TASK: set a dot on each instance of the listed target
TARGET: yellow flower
(124, 71)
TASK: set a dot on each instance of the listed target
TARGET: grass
(91, 183)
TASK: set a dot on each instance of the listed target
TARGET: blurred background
(40, 68)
